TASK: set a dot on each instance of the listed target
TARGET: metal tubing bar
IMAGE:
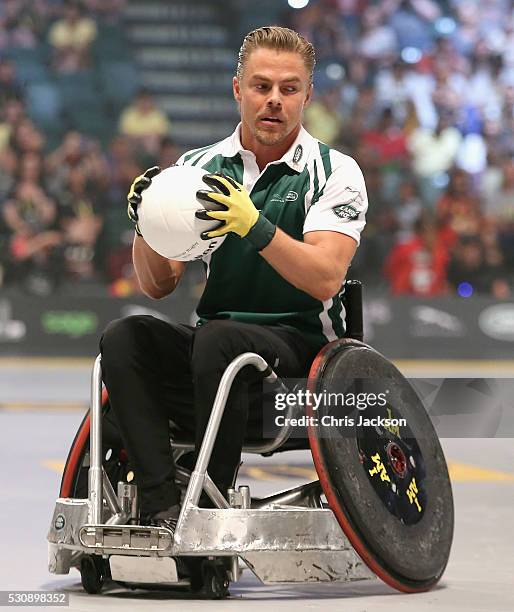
(265, 446)
(110, 495)
(196, 482)
(214, 494)
(211, 489)
(120, 518)
(306, 495)
(95, 479)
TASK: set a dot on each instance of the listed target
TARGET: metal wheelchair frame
(290, 536)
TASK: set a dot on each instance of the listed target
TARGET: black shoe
(169, 518)
(166, 518)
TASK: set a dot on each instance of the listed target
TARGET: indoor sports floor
(41, 405)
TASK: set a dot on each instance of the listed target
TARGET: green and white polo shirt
(312, 187)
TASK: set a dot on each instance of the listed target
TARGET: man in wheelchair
(272, 305)
(295, 211)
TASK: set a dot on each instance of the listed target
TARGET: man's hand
(134, 195)
(238, 213)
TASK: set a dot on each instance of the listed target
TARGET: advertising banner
(401, 328)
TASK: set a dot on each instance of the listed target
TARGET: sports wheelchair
(382, 506)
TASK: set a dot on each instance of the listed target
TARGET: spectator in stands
(499, 205)
(80, 219)
(71, 38)
(377, 39)
(389, 142)
(467, 33)
(459, 208)
(20, 23)
(419, 85)
(11, 113)
(407, 212)
(411, 21)
(26, 138)
(485, 88)
(433, 154)
(391, 89)
(449, 90)
(143, 122)
(474, 268)
(380, 222)
(122, 166)
(9, 87)
(168, 152)
(358, 78)
(77, 151)
(365, 115)
(387, 139)
(8, 172)
(323, 117)
(419, 266)
(499, 212)
(31, 220)
(319, 23)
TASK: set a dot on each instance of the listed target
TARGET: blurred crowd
(62, 216)
(421, 93)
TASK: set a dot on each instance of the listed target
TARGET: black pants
(156, 371)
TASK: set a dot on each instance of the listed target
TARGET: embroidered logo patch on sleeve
(348, 209)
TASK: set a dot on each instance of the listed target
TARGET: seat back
(352, 302)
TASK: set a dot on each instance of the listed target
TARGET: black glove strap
(261, 233)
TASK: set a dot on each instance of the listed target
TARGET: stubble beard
(269, 138)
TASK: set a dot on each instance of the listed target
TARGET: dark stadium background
(420, 92)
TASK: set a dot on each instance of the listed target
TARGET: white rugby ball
(167, 215)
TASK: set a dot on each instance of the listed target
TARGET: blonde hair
(281, 39)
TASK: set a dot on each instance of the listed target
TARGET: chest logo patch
(290, 197)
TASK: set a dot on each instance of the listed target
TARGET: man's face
(272, 93)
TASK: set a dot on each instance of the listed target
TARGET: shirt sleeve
(342, 204)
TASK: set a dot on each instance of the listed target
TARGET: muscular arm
(317, 266)
(157, 276)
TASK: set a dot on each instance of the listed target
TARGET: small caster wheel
(213, 581)
(92, 573)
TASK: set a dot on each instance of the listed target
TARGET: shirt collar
(295, 157)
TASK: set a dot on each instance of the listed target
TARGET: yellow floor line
(459, 472)
(463, 472)
(54, 464)
(43, 407)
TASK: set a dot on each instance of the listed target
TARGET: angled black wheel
(92, 573)
(209, 578)
(386, 482)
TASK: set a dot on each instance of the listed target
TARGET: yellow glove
(235, 211)
(238, 212)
